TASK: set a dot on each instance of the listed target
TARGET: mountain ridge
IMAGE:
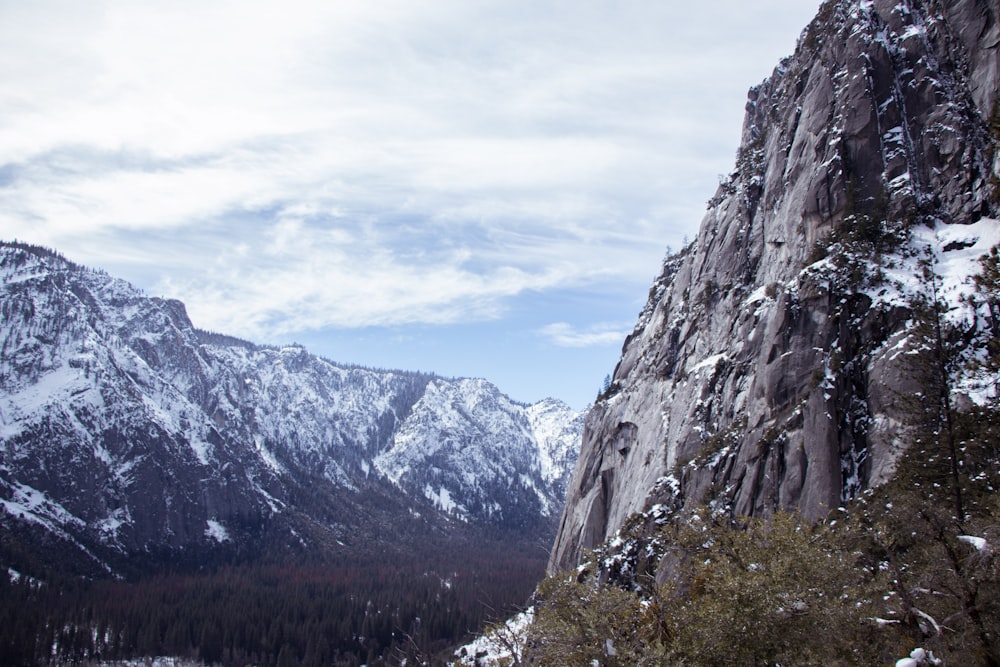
(163, 436)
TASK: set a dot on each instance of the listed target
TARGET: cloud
(359, 164)
(309, 272)
(564, 334)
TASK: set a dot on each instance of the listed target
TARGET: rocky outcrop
(766, 370)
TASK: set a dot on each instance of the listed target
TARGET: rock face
(766, 370)
(125, 430)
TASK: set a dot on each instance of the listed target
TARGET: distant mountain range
(127, 434)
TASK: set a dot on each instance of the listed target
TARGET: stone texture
(751, 381)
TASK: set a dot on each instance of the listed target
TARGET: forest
(375, 610)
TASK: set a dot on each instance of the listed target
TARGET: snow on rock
(441, 499)
(556, 428)
(709, 363)
(476, 453)
(216, 531)
(977, 543)
(34, 506)
(122, 423)
(953, 250)
(918, 657)
(159, 661)
(502, 645)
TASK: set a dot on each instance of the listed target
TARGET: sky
(475, 188)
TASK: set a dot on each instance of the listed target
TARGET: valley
(795, 461)
(159, 461)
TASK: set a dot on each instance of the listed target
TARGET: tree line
(374, 611)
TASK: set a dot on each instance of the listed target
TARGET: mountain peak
(127, 430)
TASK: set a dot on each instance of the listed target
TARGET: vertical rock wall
(759, 375)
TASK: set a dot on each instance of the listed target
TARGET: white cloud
(564, 334)
(294, 276)
(349, 164)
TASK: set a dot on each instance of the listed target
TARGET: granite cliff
(767, 369)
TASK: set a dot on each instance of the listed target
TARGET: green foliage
(822, 27)
(988, 280)
(709, 293)
(931, 412)
(580, 623)
(771, 592)
(607, 389)
(892, 573)
(993, 127)
(377, 611)
(856, 245)
(942, 593)
(767, 592)
(751, 158)
(819, 251)
(988, 290)
(994, 122)
(727, 437)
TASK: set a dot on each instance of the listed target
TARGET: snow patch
(957, 250)
(708, 362)
(108, 527)
(442, 499)
(917, 657)
(501, 645)
(759, 294)
(954, 250)
(216, 531)
(32, 505)
(159, 661)
(266, 456)
(977, 543)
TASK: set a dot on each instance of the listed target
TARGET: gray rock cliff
(766, 369)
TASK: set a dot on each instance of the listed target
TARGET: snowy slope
(475, 453)
(124, 428)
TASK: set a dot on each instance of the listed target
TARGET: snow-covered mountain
(124, 430)
(463, 440)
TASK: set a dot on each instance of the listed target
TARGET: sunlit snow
(216, 531)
